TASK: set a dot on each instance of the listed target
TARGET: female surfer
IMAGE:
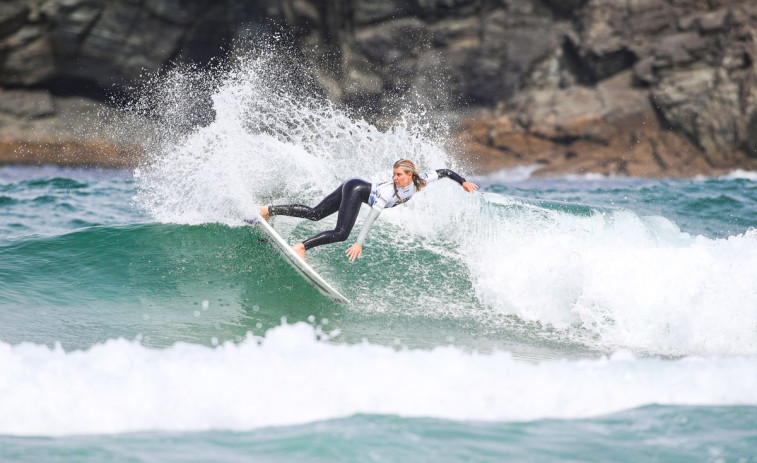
(348, 197)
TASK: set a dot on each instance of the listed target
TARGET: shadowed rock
(637, 87)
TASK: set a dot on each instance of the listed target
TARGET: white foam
(292, 378)
(514, 174)
(619, 280)
(266, 143)
(741, 174)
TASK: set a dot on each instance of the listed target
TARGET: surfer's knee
(341, 235)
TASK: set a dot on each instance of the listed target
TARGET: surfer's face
(402, 178)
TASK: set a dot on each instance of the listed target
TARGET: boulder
(610, 129)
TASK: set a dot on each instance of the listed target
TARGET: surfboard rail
(298, 263)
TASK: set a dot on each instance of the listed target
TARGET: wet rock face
(649, 87)
(111, 42)
(643, 87)
(710, 93)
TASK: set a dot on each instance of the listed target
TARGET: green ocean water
(126, 338)
(679, 434)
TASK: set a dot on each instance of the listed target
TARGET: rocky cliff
(637, 87)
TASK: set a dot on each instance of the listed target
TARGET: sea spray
(266, 141)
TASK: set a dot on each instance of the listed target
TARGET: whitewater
(139, 309)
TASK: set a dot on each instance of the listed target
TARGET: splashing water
(268, 140)
(607, 278)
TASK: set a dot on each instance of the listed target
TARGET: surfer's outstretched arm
(356, 250)
(470, 187)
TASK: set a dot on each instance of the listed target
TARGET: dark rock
(75, 22)
(456, 34)
(372, 11)
(567, 7)
(27, 104)
(28, 64)
(648, 87)
(509, 48)
(393, 40)
(435, 9)
(13, 15)
(140, 41)
(170, 11)
(608, 129)
(709, 22)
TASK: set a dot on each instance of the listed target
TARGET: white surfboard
(300, 265)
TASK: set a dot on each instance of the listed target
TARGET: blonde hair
(409, 168)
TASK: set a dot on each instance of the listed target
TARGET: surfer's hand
(355, 251)
(470, 187)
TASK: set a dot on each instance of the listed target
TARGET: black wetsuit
(346, 200)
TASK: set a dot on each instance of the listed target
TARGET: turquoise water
(127, 339)
(679, 434)
(569, 319)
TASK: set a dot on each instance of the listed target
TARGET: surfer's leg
(354, 193)
(325, 208)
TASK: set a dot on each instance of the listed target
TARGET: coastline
(620, 137)
(68, 151)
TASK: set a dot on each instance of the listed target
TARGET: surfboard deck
(300, 265)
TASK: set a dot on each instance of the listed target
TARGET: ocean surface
(565, 319)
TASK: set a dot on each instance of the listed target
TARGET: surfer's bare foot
(264, 212)
(299, 248)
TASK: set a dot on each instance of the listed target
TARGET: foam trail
(290, 377)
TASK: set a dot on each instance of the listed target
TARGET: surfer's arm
(447, 173)
(356, 250)
(372, 216)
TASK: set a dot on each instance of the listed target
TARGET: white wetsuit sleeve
(372, 216)
(430, 176)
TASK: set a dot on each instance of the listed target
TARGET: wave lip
(289, 377)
